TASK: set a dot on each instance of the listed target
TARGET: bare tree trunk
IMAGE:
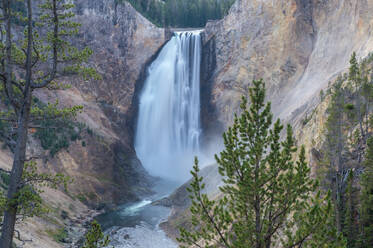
(268, 242)
(257, 208)
(16, 176)
(10, 214)
(339, 163)
(360, 116)
(338, 215)
(257, 221)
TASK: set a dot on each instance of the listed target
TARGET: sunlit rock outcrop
(296, 46)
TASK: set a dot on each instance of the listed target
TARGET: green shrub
(82, 198)
(89, 131)
(58, 235)
(349, 106)
(5, 178)
(64, 214)
(57, 134)
(5, 130)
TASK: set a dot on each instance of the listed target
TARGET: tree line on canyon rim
(181, 13)
(268, 196)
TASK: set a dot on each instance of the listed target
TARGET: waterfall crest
(168, 127)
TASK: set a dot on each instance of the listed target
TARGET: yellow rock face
(295, 46)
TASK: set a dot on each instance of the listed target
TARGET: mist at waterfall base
(168, 128)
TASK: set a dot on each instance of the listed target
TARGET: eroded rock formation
(296, 46)
(123, 42)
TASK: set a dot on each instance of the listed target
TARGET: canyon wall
(123, 42)
(103, 164)
(296, 46)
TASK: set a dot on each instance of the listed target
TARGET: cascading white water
(167, 138)
(168, 127)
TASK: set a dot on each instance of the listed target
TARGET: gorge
(173, 93)
(167, 139)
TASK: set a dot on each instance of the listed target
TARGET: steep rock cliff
(296, 46)
(123, 42)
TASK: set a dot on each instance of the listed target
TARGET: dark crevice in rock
(305, 24)
(115, 17)
(128, 172)
(209, 115)
(128, 168)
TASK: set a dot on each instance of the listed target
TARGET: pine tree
(355, 78)
(267, 198)
(366, 199)
(36, 60)
(95, 238)
(366, 92)
(350, 227)
(335, 145)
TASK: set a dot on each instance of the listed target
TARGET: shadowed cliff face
(296, 46)
(123, 41)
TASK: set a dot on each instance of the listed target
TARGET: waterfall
(168, 127)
